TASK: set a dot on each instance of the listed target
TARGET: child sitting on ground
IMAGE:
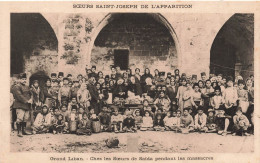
(42, 122)
(116, 121)
(105, 119)
(158, 123)
(176, 121)
(138, 119)
(58, 126)
(168, 121)
(211, 121)
(147, 122)
(187, 123)
(241, 123)
(73, 119)
(200, 120)
(84, 126)
(222, 121)
(129, 123)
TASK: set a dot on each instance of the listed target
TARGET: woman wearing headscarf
(42, 122)
(144, 76)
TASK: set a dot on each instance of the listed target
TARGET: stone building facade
(193, 43)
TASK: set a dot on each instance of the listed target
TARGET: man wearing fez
(194, 79)
(22, 104)
(203, 77)
(60, 78)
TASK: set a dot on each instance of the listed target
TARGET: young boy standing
(230, 98)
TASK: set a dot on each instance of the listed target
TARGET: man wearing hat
(53, 76)
(64, 92)
(194, 79)
(22, 104)
(203, 77)
(60, 78)
(69, 76)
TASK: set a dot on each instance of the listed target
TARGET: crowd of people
(126, 101)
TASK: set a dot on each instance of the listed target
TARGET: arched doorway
(138, 40)
(40, 76)
(232, 52)
(31, 35)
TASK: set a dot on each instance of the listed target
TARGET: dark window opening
(121, 58)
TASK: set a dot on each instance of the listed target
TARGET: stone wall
(80, 42)
(149, 42)
(34, 44)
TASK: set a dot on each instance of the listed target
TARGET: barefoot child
(147, 122)
(59, 124)
(187, 123)
(200, 120)
(84, 126)
(117, 121)
(211, 121)
(222, 121)
(138, 119)
(241, 123)
(168, 121)
(105, 119)
(129, 123)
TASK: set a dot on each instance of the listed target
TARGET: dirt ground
(142, 141)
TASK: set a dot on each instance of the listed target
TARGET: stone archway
(34, 45)
(232, 51)
(171, 59)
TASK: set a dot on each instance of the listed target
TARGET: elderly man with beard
(23, 100)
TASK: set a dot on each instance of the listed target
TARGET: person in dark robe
(94, 94)
(134, 86)
(120, 89)
(144, 76)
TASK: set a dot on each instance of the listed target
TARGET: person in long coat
(22, 104)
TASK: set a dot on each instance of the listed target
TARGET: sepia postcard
(129, 81)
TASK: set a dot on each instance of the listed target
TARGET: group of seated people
(77, 121)
(173, 102)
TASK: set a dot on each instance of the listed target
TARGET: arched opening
(137, 40)
(232, 52)
(31, 35)
(41, 76)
